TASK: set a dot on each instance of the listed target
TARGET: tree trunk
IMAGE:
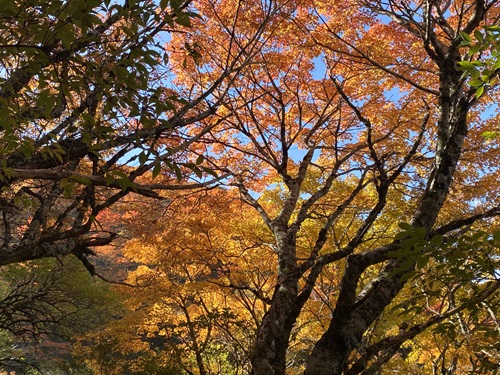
(350, 322)
(273, 335)
(269, 355)
(354, 313)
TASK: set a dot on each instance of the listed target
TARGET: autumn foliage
(298, 186)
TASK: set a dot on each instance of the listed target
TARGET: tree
(391, 112)
(43, 305)
(356, 115)
(182, 312)
(445, 297)
(88, 106)
(483, 70)
(206, 275)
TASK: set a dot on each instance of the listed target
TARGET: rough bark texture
(356, 311)
(353, 315)
(269, 353)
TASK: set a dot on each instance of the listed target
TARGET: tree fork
(350, 320)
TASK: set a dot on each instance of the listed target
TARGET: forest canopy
(297, 186)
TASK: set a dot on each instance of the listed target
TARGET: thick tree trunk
(351, 320)
(354, 313)
(269, 355)
(273, 336)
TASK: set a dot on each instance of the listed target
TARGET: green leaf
(400, 235)
(80, 179)
(490, 135)
(209, 171)
(178, 172)
(156, 170)
(63, 183)
(125, 183)
(422, 261)
(475, 49)
(466, 65)
(121, 174)
(143, 158)
(478, 36)
(475, 74)
(183, 20)
(465, 36)
(496, 236)
(494, 28)
(67, 35)
(476, 82)
(407, 276)
(437, 240)
(479, 92)
(109, 178)
(405, 226)
(175, 4)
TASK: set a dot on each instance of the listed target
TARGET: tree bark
(273, 335)
(355, 313)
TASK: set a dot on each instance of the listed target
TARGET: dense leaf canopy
(311, 183)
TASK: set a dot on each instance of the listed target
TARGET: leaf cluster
(44, 304)
(482, 62)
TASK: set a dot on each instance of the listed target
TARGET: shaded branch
(391, 344)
